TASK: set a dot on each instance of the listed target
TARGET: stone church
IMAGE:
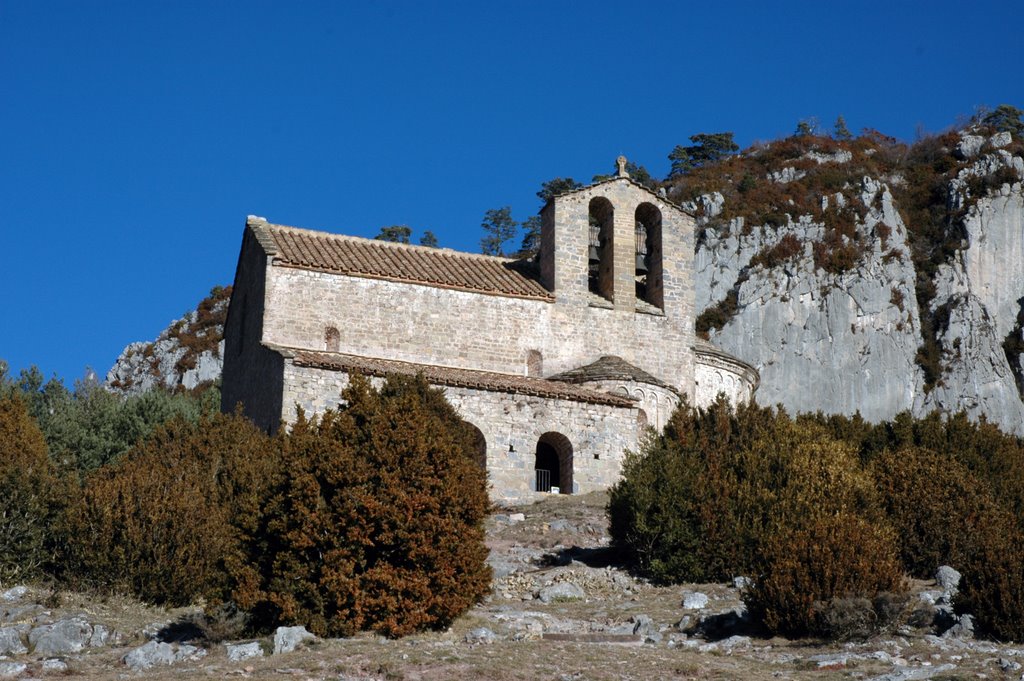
(559, 362)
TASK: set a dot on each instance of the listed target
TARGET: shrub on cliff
(30, 494)
(169, 519)
(377, 524)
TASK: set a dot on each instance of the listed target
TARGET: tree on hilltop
(1005, 118)
(428, 239)
(706, 148)
(840, 131)
(806, 127)
(499, 228)
(398, 234)
(530, 245)
(558, 185)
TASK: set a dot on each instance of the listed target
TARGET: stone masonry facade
(560, 361)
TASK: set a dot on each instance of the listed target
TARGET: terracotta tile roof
(610, 368)
(374, 259)
(460, 378)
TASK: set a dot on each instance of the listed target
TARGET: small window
(332, 339)
(534, 363)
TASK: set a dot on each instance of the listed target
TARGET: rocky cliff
(873, 315)
(860, 275)
(186, 355)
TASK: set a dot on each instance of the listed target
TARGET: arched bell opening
(648, 260)
(553, 464)
(600, 252)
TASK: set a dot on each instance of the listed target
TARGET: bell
(641, 263)
(593, 254)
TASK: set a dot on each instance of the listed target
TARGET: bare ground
(561, 539)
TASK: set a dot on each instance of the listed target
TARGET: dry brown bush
(377, 523)
(166, 521)
(31, 494)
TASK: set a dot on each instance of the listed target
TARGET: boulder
(54, 666)
(695, 600)
(481, 635)
(947, 579)
(969, 146)
(10, 670)
(100, 636)
(20, 613)
(786, 175)
(15, 593)
(562, 591)
(157, 653)
(287, 639)
(60, 638)
(1000, 139)
(963, 629)
(243, 651)
(10, 642)
(643, 625)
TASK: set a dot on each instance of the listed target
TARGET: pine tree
(841, 132)
(398, 234)
(499, 228)
(706, 148)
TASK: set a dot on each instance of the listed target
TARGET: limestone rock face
(187, 353)
(834, 342)
(842, 343)
(983, 291)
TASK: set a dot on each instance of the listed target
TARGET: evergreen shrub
(992, 583)
(167, 521)
(809, 573)
(695, 503)
(377, 523)
(935, 504)
(30, 495)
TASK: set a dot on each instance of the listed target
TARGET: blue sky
(136, 136)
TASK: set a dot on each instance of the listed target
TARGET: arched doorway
(479, 451)
(553, 464)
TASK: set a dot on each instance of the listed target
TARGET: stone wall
(720, 374)
(444, 327)
(511, 424)
(252, 374)
(655, 402)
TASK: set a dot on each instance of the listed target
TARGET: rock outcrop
(823, 340)
(836, 342)
(848, 342)
(185, 355)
